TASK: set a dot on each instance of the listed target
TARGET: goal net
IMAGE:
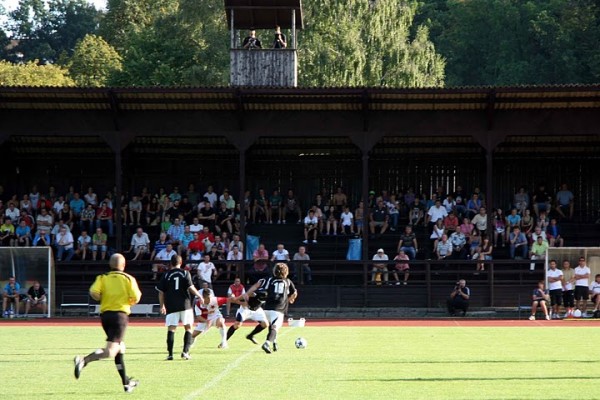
(28, 264)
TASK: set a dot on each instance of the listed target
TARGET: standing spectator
(540, 298)
(521, 200)
(310, 226)
(380, 266)
(84, 242)
(64, 244)
(538, 251)
(10, 295)
(206, 271)
(565, 202)
(401, 266)
(582, 276)
(104, 217)
(555, 285)
(99, 240)
(379, 218)
(568, 286)
(480, 221)
(518, 242)
(281, 254)
(434, 213)
(408, 243)
(23, 234)
(459, 299)
(251, 41)
(36, 297)
(358, 217)
(139, 244)
(541, 200)
(260, 266)
(303, 271)
(443, 249)
(279, 42)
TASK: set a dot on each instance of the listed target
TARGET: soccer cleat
(186, 356)
(79, 364)
(305, 241)
(314, 241)
(223, 345)
(547, 318)
(169, 358)
(532, 318)
(251, 338)
(275, 347)
(130, 387)
(266, 348)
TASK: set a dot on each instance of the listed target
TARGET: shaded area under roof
(263, 14)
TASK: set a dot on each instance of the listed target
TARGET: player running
(117, 292)
(280, 292)
(208, 314)
(174, 290)
(250, 309)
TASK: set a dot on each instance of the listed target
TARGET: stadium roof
(263, 14)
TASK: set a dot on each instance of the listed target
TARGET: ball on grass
(301, 343)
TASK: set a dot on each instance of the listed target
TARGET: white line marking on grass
(227, 370)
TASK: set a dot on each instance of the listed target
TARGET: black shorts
(539, 302)
(114, 324)
(556, 297)
(581, 292)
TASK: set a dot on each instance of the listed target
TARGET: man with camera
(459, 298)
(279, 41)
(251, 41)
(310, 226)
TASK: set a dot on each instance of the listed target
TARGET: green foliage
(33, 74)
(94, 62)
(359, 43)
(47, 30)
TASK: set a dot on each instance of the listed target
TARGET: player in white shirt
(208, 314)
(595, 292)
(555, 286)
(347, 221)
(582, 276)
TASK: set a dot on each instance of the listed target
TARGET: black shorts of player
(581, 292)
(556, 297)
(114, 324)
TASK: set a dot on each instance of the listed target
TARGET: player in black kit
(174, 294)
(280, 292)
(250, 309)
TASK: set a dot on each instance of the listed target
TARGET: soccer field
(341, 362)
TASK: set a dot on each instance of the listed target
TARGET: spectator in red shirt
(261, 262)
(104, 215)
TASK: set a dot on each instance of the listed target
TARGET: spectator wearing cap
(380, 266)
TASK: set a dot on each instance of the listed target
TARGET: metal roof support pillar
(365, 199)
(232, 29)
(242, 172)
(293, 28)
(118, 228)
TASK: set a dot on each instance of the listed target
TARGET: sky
(11, 4)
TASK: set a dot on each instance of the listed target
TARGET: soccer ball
(301, 343)
(577, 313)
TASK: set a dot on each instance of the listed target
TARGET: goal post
(28, 264)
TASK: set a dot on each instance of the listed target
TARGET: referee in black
(117, 292)
(174, 294)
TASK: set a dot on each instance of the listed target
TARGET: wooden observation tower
(266, 66)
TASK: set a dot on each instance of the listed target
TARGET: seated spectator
(291, 206)
(207, 238)
(474, 242)
(163, 259)
(135, 210)
(347, 222)
(378, 218)
(473, 206)
(77, 205)
(99, 240)
(218, 247)
(36, 298)
(28, 219)
(195, 246)
(467, 228)
(276, 203)
(537, 233)
(7, 233)
(187, 210)
(12, 212)
(541, 200)
(565, 202)
(139, 244)
(86, 220)
(540, 298)
(104, 218)
(224, 219)
(11, 295)
(459, 299)
(358, 217)
(513, 219)
(311, 224)
(521, 200)
(331, 220)
(401, 266)
(437, 232)
(435, 213)
(44, 226)
(66, 215)
(281, 254)
(483, 253)
(64, 244)
(56, 229)
(25, 204)
(302, 269)
(184, 241)
(518, 244)
(207, 216)
(459, 245)
(235, 241)
(261, 211)
(90, 197)
(499, 227)
(408, 243)
(175, 231)
(260, 267)
(460, 198)
(166, 223)
(595, 295)
(449, 204)
(23, 235)
(443, 249)
(379, 267)
(153, 212)
(196, 226)
(553, 234)
(59, 204)
(527, 223)
(416, 212)
(451, 222)
(480, 221)
(234, 255)
(538, 251)
(84, 242)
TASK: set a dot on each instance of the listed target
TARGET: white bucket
(296, 323)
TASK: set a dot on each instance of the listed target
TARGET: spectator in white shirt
(347, 221)
(281, 254)
(64, 244)
(380, 267)
(234, 255)
(436, 212)
(206, 271)
(139, 244)
(311, 222)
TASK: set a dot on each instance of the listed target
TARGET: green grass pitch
(339, 363)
